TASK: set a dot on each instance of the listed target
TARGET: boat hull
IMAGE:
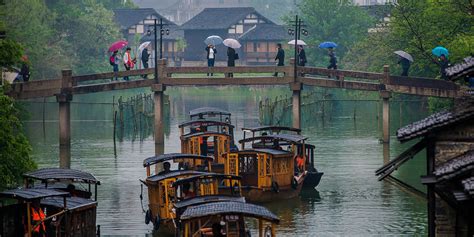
(258, 195)
(312, 179)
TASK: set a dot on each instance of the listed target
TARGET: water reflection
(349, 200)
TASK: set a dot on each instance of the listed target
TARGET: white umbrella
(232, 43)
(143, 46)
(300, 42)
(404, 54)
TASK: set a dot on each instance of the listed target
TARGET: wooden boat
(161, 193)
(229, 217)
(210, 113)
(313, 176)
(69, 211)
(202, 125)
(206, 188)
(268, 173)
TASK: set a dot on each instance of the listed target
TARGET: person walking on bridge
(405, 63)
(332, 59)
(145, 57)
(280, 57)
(114, 62)
(443, 63)
(128, 62)
(231, 57)
(211, 56)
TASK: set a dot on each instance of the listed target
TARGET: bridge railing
(340, 74)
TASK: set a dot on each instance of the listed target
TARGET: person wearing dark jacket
(25, 71)
(332, 59)
(405, 63)
(211, 56)
(443, 63)
(301, 56)
(145, 57)
(230, 59)
(280, 57)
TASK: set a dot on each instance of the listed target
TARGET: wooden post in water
(296, 87)
(64, 98)
(158, 98)
(385, 95)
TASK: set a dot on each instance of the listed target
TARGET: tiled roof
(129, 17)
(219, 18)
(267, 32)
(461, 69)
(456, 166)
(47, 174)
(464, 110)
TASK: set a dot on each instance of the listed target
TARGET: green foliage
(14, 147)
(63, 34)
(417, 26)
(181, 44)
(10, 53)
(333, 20)
(438, 104)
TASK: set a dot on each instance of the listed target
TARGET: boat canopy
(206, 134)
(208, 111)
(231, 208)
(58, 174)
(205, 176)
(173, 156)
(71, 202)
(291, 138)
(172, 174)
(207, 199)
(204, 122)
(277, 129)
(32, 193)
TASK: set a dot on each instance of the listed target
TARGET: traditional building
(448, 139)
(137, 26)
(259, 43)
(224, 22)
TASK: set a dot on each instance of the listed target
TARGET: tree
(416, 27)
(333, 20)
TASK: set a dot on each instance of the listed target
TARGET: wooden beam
(332, 83)
(110, 75)
(226, 81)
(239, 69)
(423, 91)
(85, 89)
(345, 73)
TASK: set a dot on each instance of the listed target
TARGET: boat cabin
(281, 137)
(228, 218)
(210, 113)
(78, 183)
(207, 143)
(63, 215)
(205, 188)
(161, 193)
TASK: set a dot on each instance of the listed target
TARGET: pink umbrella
(117, 45)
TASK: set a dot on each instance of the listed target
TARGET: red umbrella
(117, 45)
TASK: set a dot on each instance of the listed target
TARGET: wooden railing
(242, 75)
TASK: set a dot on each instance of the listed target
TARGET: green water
(348, 202)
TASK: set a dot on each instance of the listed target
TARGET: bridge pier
(296, 87)
(64, 99)
(159, 90)
(385, 95)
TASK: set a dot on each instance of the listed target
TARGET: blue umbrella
(440, 50)
(327, 44)
(214, 40)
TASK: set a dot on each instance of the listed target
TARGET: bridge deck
(262, 75)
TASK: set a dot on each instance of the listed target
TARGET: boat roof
(207, 134)
(292, 138)
(265, 150)
(205, 122)
(239, 208)
(71, 202)
(208, 111)
(32, 193)
(173, 156)
(271, 128)
(205, 176)
(62, 174)
(172, 174)
(207, 199)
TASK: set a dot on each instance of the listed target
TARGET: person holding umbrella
(280, 57)
(404, 60)
(301, 56)
(442, 61)
(114, 61)
(211, 56)
(145, 58)
(231, 44)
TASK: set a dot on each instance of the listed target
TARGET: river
(348, 202)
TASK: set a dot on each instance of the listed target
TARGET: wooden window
(140, 29)
(239, 29)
